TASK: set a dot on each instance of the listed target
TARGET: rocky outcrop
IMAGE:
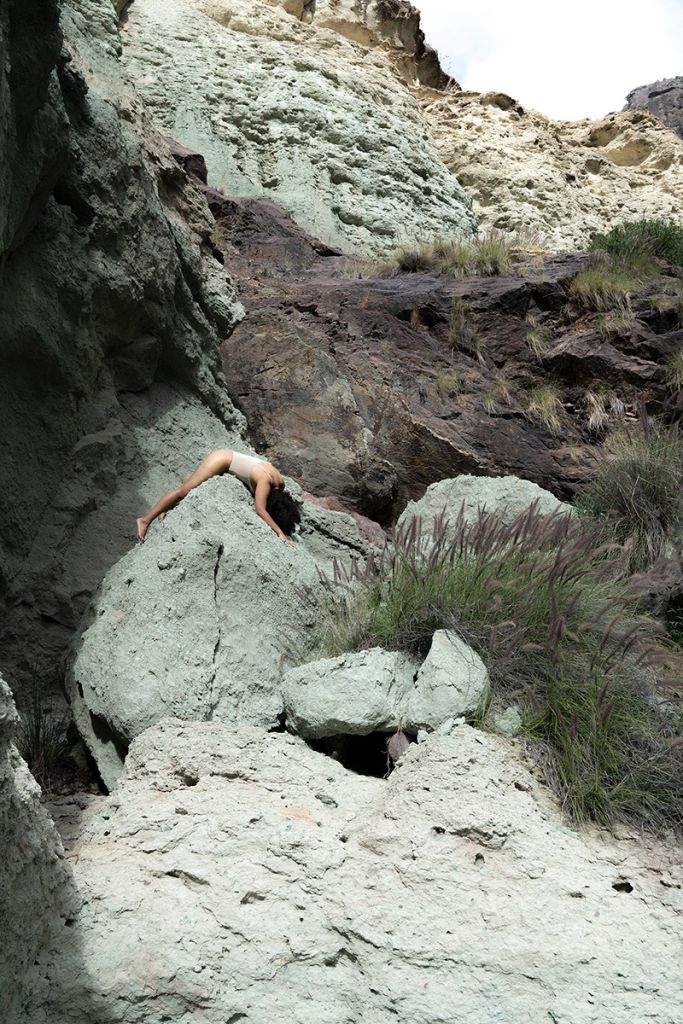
(114, 303)
(452, 682)
(381, 691)
(37, 897)
(664, 99)
(316, 120)
(240, 875)
(562, 182)
(354, 694)
(392, 25)
(371, 387)
(262, 128)
(194, 623)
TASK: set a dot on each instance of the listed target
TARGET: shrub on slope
(631, 242)
(549, 609)
(637, 490)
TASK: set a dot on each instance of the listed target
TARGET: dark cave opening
(363, 755)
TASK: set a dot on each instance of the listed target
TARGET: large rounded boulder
(194, 623)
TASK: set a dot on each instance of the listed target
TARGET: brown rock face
(371, 387)
(664, 99)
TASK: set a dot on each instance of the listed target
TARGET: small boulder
(507, 495)
(354, 694)
(508, 722)
(452, 682)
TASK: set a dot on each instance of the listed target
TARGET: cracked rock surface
(236, 875)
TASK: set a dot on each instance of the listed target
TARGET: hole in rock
(423, 316)
(66, 194)
(364, 755)
(623, 886)
(187, 780)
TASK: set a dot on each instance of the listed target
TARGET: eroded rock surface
(506, 495)
(239, 875)
(380, 691)
(319, 121)
(354, 694)
(370, 387)
(452, 682)
(562, 181)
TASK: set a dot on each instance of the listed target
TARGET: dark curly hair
(281, 507)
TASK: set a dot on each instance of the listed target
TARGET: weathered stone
(505, 495)
(508, 722)
(354, 694)
(240, 874)
(36, 889)
(560, 181)
(405, 380)
(451, 682)
(282, 108)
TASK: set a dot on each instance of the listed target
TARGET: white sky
(565, 60)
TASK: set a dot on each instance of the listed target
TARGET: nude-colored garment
(242, 465)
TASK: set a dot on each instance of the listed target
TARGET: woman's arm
(261, 497)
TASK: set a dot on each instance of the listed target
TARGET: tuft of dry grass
(447, 382)
(604, 288)
(619, 321)
(460, 332)
(674, 370)
(544, 402)
(597, 405)
(598, 420)
(537, 337)
(485, 256)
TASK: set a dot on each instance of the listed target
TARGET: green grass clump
(638, 490)
(42, 742)
(605, 287)
(643, 239)
(486, 255)
(548, 608)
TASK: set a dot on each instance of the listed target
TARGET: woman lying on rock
(275, 507)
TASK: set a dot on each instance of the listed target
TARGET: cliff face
(113, 308)
(664, 99)
(564, 181)
(320, 122)
(234, 873)
(295, 101)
